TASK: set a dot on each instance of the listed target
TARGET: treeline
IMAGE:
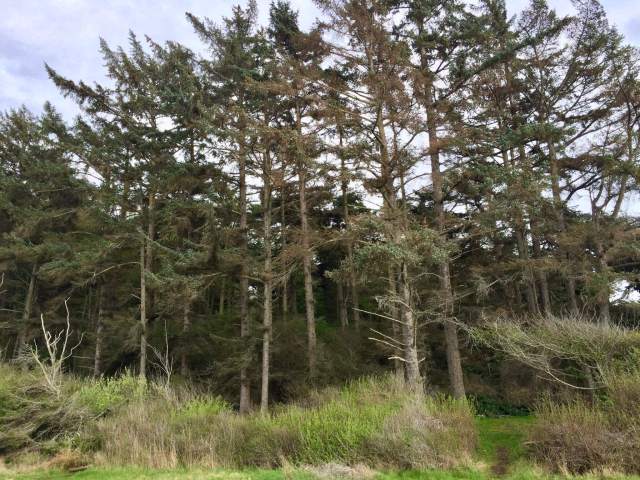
(300, 207)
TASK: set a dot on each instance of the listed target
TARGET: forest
(345, 245)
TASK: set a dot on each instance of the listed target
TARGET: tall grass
(584, 436)
(372, 421)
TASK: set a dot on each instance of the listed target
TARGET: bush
(580, 437)
(104, 395)
(436, 433)
(31, 417)
(201, 407)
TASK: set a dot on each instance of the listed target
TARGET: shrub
(201, 407)
(32, 417)
(579, 437)
(104, 395)
(436, 433)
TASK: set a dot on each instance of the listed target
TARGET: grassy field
(500, 440)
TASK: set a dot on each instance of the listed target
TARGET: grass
(502, 433)
(493, 434)
(259, 474)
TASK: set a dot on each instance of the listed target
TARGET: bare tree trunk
(221, 298)
(529, 280)
(353, 284)
(145, 294)
(268, 286)
(245, 386)
(409, 334)
(97, 355)
(398, 366)
(143, 312)
(186, 326)
(542, 276)
(309, 301)
(283, 235)
(21, 340)
(341, 305)
(454, 364)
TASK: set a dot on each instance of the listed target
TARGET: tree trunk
(541, 275)
(397, 217)
(309, 301)
(143, 312)
(353, 284)
(97, 355)
(243, 300)
(283, 235)
(221, 297)
(267, 315)
(21, 340)
(341, 305)
(409, 334)
(454, 364)
(529, 280)
(398, 366)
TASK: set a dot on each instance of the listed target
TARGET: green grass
(136, 473)
(494, 433)
(502, 432)
(144, 474)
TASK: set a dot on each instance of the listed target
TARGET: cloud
(65, 34)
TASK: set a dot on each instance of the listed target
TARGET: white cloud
(65, 34)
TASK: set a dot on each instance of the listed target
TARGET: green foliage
(202, 407)
(105, 395)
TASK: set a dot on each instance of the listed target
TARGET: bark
(146, 266)
(143, 312)
(454, 364)
(398, 366)
(309, 301)
(412, 366)
(243, 300)
(354, 295)
(529, 280)
(397, 217)
(283, 235)
(268, 287)
(97, 355)
(21, 340)
(341, 305)
(541, 276)
(221, 298)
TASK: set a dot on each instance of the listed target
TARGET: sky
(65, 34)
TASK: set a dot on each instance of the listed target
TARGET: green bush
(201, 407)
(31, 417)
(104, 395)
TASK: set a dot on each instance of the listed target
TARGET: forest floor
(500, 444)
